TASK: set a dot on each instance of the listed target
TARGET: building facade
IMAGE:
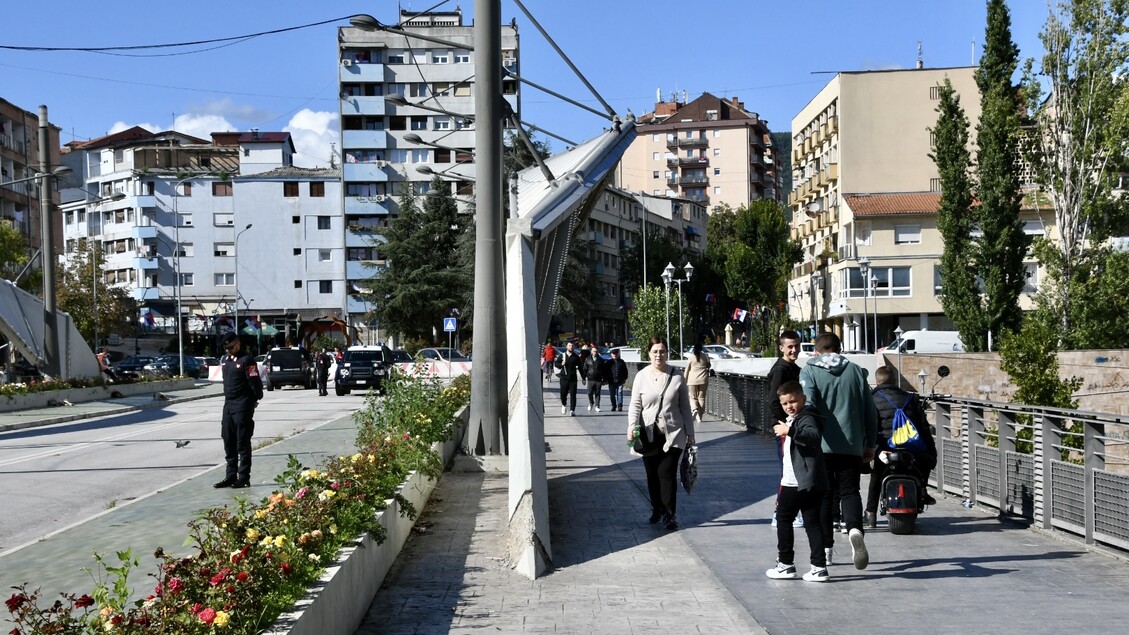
(407, 114)
(864, 205)
(19, 159)
(710, 150)
(213, 228)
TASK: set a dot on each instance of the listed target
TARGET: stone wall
(1105, 375)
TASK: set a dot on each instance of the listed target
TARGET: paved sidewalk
(964, 571)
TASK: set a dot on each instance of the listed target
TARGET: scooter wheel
(902, 524)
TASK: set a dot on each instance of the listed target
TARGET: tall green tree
(1003, 243)
(960, 293)
(753, 252)
(661, 249)
(424, 276)
(648, 317)
(115, 310)
(1080, 102)
(13, 250)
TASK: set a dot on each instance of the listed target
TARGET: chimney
(255, 134)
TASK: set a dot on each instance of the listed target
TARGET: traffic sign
(449, 325)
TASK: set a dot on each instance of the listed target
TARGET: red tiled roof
(264, 137)
(894, 204)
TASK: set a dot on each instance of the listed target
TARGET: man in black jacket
(617, 377)
(570, 368)
(242, 391)
(783, 371)
(887, 399)
(322, 363)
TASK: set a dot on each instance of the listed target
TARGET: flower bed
(252, 562)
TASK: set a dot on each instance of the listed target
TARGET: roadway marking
(64, 449)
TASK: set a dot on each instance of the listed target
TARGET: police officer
(322, 364)
(242, 390)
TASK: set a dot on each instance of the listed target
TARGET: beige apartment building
(710, 150)
(19, 159)
(864, 205)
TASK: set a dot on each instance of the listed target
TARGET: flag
(710, 298)
(741, 315)
(149, 318)
(736, 313)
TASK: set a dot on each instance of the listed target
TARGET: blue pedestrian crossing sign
(449, 325)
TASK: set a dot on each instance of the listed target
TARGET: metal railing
(1066, 471)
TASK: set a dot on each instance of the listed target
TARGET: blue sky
(770, 55)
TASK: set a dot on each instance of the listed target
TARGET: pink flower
(335, 485)
(217, 579)
(207, 616)
(302, 492)
(84, 601)
(176, 585)
(196, 608)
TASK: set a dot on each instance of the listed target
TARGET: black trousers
(662, 480)
(594, 392)
(568, 389)
(808, 503)
(843, 472)
(237, 428)
(322, 381)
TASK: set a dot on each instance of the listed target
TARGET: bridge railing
(1064, 470)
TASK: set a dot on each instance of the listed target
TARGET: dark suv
(288, 366)
(362, 367)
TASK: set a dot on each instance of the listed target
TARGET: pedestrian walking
(839, 390)
(660, 397)
(617, 377)
(242, 391)
(698, 378)
(548, 359)
(595, 373)
(570, 371)
(321, 365)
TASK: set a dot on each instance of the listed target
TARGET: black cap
(229, 338)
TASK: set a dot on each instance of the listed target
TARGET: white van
(926, 342)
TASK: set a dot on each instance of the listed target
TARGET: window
(317, 189)
(294, 220)
(325, 286)
(397, 89)
(223, 220)
(421, 156)
(290, 189)
(888, 281)
(221, 188)
(324, 255)
(323, 222)
(442, 156)
(907, 234)
(1031, 283)
(442, 123)
(185, 250)
(717, 152)
(297, 284)
(462, 57)
(716, 171)
(934, 185)
(398, 156)
(224, 279)
(297, 251)
(862, 233)
(655, 138)
(441, 58)
(717, 190)
(462, 90)
(419, 123)
(711, 115)
(223, 250)
(717, 134)
(934, 92)
(654, 174)
(417, 89)
(185, 189)
(182, 220)
(1034, 228)
(396, 58)
(187, 279)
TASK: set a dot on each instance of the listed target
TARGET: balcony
(351, 72)
(696, 142)
(688, 161)
(143, 232)
(145, 263)
(832, 172)
(672, 178)
(361, 105)
(832, 125)
(366, 172)
(144, 201)
(357, 304)
(360, 236)
(146, 294)
(596, 238)
(368, 205)
(362, 269)
(694, 179)
(367, 139)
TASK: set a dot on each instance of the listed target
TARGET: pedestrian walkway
(963, 571)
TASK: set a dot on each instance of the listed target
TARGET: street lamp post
(668, 276)
(864, 272)
(897, 336)
(176, 269)
(815, 302)
(854, 326)
(874, 295)
(235, 279)
(921, 375)
(668, 280)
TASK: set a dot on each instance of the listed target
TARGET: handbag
(688, 468)
(650, 440)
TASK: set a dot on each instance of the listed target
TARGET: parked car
(399, 356)
(442, 355)
(721, 351)
(288, 366)
(362, 367)
(807, 349)
(169, 366)
(209, 363)
(131, 367)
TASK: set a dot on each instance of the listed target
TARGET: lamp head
(62, 170)
(248, 226)
(396, 100)
(413, 138)
(689, 269)
(898, 331)
(424, 169)
(365, 22)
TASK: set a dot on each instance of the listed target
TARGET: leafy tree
(753, 253)
(423, 277)
(648, 318)
(115, 311)
(662, 249)
(1080, 138)
(1003, 244)
(960, 293)
(577, 294)
(13, 250)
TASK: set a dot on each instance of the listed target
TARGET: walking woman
(660, 396)
(698, 378)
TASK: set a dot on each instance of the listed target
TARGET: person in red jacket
(548, 358)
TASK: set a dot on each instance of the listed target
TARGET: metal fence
(1064, 470)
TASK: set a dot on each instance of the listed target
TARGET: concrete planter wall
(28, 401)
(337, 603)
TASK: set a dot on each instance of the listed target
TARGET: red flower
(217, 578)
(116, 619)
(241, 576)
(285, 568)
(196, 608)
(231, 588)
(268, 555)
(245, 550)
(16, 601)
(84, 601)
(176, 585)
(207, 616)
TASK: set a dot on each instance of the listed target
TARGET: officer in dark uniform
(242, 391)
(322, 364)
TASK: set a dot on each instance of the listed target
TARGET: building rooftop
(894, 204)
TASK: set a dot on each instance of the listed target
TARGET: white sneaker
(858, 548)
(564, 410)
(817, 574)
(799, 522)
(773, 519)
(589, 407)
(828, 553)
(782, 572)
(597, 408)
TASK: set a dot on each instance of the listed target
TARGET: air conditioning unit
(381, 164)
(379, 198)
(346, 62)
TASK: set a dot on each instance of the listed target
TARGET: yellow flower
(371, 458)
(252, 534)
(314, 557)
(260, 513)
(279, 540)
(333, 529)
(356, 457)
(268, 541)
(221, 619)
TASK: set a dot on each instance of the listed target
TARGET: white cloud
(313, 132)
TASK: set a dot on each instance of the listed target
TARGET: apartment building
(864, 204)
(19, 159)
(616, 225)
(712, 151)
(215, 226)
(407, 114)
